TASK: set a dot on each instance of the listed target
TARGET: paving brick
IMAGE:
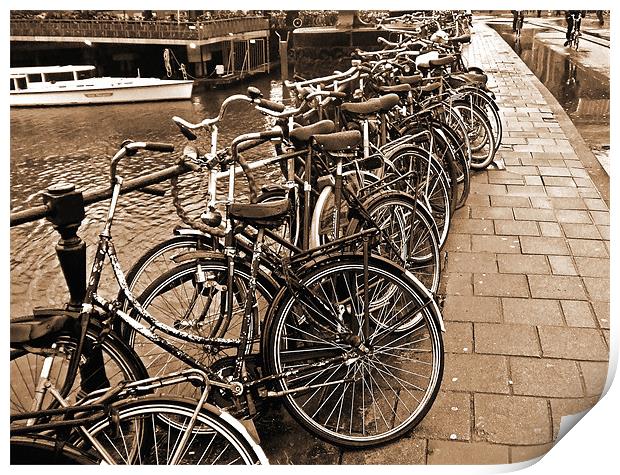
(550, 229)
(597, 287)
(533, 180)
(565, 407)
(442, 452)
(478, 200)
(562, 265)
(459, 337)
(541, 202)
(458, 283)
(567, 203)
(512, 419)
(472, 226)
(572, 216)
(506, 339)
(510, 201)
(594, 376)
(543, 245)
(580, 231)
(592, 266)
(448, 418)
(479, 212)
(578, 172)
(516, 228)
(407, 451)
(525, 453)
(587, 248)
(545, 377)
(466, 308)
(584, 182)
(595, 204)
(600, 217)
(473, 372)
(588, 193)
(489, 243)
(522, 264)
(601, 311)
(526, 190)
(521, 170)
(555, 287)
(472, 262)
(558, 181)
(532, 311)
(573, 343)
(532, 214)
(562, 192)
(604, 231)
(458, 242)
(487, 189)
(554, 171)
(577, 313)
(501, 285)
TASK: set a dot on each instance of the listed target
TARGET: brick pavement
(526, 295)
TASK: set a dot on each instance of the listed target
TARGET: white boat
(67, 85)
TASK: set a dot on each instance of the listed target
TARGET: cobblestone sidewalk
(527, 295)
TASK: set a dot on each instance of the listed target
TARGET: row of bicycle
(320, 292)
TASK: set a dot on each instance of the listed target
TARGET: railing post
(66, 211)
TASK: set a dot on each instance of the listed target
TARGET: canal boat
(68, 85)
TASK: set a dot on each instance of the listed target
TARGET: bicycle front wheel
(368, 372)
(149, 431)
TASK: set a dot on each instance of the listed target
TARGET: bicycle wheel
(149, 430)
(425, 180)
(98, 369)
(480, 135)
(412, 233)
(347, 389)
(43, 450)
(190, 298)
(489, 107)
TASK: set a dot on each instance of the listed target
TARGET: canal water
(582, 92)
(75, 144)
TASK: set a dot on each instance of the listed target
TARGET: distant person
(517, 18)
(573, 20)
(601, 19)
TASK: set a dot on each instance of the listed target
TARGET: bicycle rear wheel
(149, 430)
(43, 450)
(348, 389)
(113, 364)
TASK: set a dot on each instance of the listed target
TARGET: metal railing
(136, 28)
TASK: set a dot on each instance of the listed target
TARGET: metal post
(66, 211)
(283, 51)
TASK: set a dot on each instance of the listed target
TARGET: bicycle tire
(481, 135)
(146, 431)
(119, 362)
(392, 208)
(166, 299)
(43, 450)
(288, 331)
(439, 194)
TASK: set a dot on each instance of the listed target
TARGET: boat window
(34, 78)
(53, 77)
(21, 83)
(86, 74)
(12, 84)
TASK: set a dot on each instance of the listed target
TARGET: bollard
(65, 212)
(283, 50)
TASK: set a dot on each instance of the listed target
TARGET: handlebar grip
(274, 106)
(365, 69)
(159, 147)
(270, 134)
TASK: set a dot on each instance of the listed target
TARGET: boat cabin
(43, 76)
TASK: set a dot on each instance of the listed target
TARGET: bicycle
(126, 424)
(574, 24)
(341, 321)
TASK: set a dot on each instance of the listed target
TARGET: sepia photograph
(307, 237)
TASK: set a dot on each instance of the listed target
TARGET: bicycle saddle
(339, 140)
(433, 63)
(33, 327)
(261, 215)
(460, 39)
(304, 134)
(372, 106)
(461, 79)
(398, 89)
(411, 80)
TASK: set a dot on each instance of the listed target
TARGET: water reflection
(582, 92)
(75, 144)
